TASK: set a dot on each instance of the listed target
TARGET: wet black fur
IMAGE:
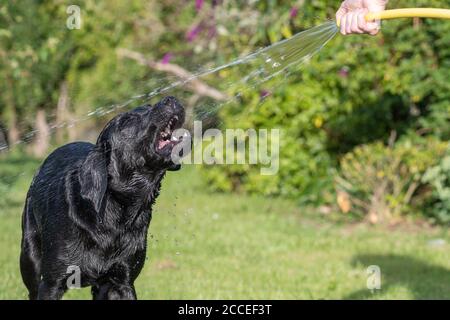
(89, 206)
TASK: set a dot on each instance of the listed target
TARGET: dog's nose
(172, 104)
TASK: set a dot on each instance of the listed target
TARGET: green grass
(225, 246)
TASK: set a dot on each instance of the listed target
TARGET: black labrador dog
(88, 208)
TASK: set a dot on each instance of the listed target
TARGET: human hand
(351, 16)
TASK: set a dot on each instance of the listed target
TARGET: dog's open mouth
(166, 139)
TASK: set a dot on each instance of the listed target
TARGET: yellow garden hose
(408, 13)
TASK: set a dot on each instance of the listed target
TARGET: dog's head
(142, 138)
(138, 141)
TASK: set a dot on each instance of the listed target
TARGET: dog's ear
(93, 178)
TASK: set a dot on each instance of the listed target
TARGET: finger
(355, 22)
(370, 27)
(340, 13)
(348, 23)
(373, 27)
(362, 23)
(343, 24)
(374, 32)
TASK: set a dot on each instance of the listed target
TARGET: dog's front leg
(112, 291)
(117, 284)
(50, 290)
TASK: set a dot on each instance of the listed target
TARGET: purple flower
(193, 33)
(344, 72)
(293, 13)
(166, 58)
(199, 4)
(264, 94)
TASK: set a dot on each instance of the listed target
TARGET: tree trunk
(61, 113)
(13, 130)
(11, 114)
(42, 138)
(3, 139)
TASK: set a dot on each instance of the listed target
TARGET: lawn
(205, 245)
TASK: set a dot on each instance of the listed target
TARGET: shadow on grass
(422, 279)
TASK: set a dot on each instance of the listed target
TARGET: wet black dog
(89, 206)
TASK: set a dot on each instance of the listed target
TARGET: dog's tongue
(163, 143)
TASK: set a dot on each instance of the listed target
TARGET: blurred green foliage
(357, 91)
(439, 179)
(350, 99)
(35, 55)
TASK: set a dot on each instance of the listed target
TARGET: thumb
(374, 7)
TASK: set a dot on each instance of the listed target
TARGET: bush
(381, 182)
(439, 179)
(305, 163)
